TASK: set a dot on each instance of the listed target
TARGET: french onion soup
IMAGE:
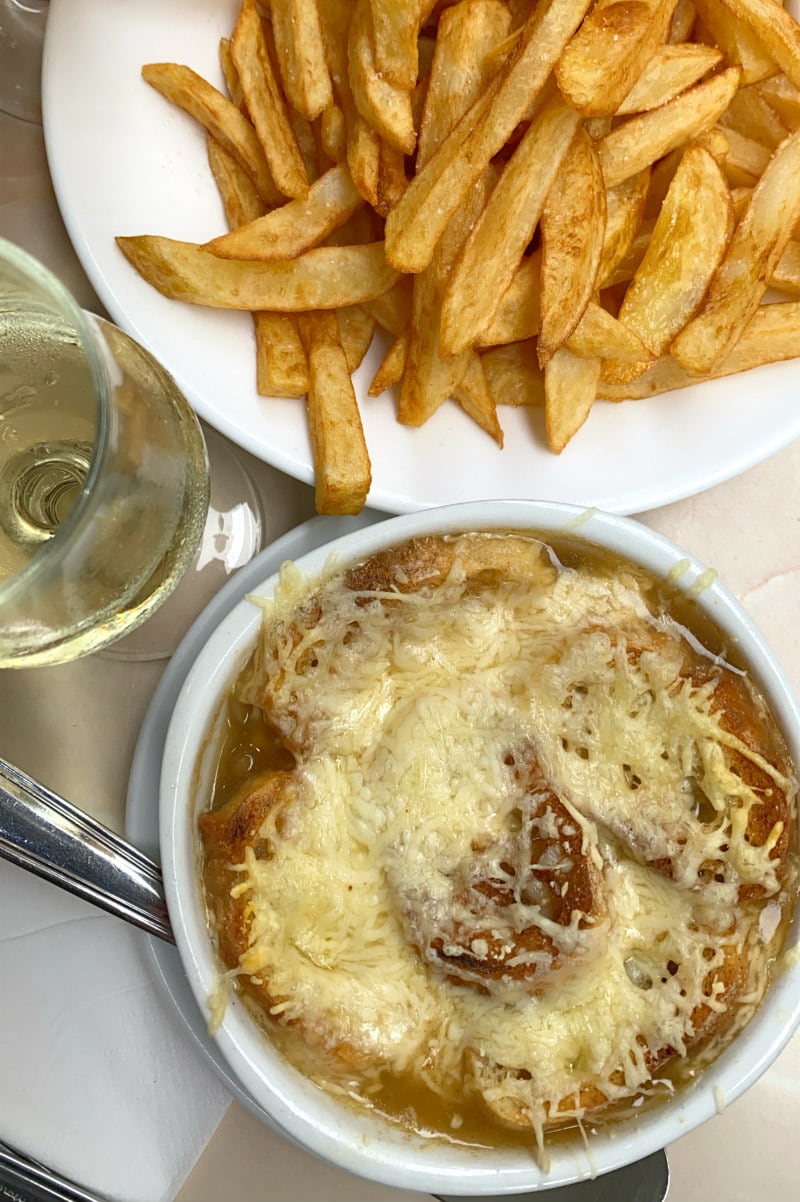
(502, 838)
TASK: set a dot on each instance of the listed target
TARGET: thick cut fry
(474, 397)
(281, 364)
(219, 115)
(356, 328)
(772, 336)
(396, 25)
(324, 278)
(240, 199)
(513, 374)
(746, 160)
(751, 115)
(641, 140)
(786, 276)
(573, 229)
(600, 335)
(518, 314)
(624, 209)
(570, 387)
(364, 159)
(495, 247)
(754, 251)
(602, 62)
(670, 71)
(683, 20)
(462, 64)
(265, 103)
(342, 471)
(430, 378)
(415, 225)
(690, 237)
(783, 98)
(296, 227)
(392, 180)
(775, 29)
(281, 367)
(739, 44)
(333, 134)
(301, 55)
(229, 71)
(392, 309)
(382, 104)
(392, 365)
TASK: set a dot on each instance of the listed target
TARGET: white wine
(47, 432)
(103, 475)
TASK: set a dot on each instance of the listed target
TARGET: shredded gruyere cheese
(409, 715)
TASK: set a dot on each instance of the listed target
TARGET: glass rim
(81, 321)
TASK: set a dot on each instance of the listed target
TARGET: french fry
(602, 62)
(324, 278)
(496, 245)
(265, 103)
(462, 65)
(751, 115)
(281, 364)
(296, 227)
(415, 225)
(392, 180)
(573, 227)
(382, 104)
(518, 315)
(301, 56)
(231, 74)
(219, 115)
(342, 470)
(392, 365)
(688, 241)
(570, 387)
(786, 276)
(240, 200)
(281, 367)
(395, 27)
(771, 336)
(625, 205)
(746, 160)
(475, 398)
(670, 71)
(333, 134)
(774, 28)
(392, 309)
(356, 328)
(641, 140)
(683, 20)
(364, 159)
(738, 43)
(458, 73)
(513, 374)
(783, 98)
(600, 335)
(754, 251)
(430, 376)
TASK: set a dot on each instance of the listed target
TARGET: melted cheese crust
(409, 714)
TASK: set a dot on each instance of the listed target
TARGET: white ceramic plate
(124, 161)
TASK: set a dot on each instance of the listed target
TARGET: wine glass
(103, 474)
(22, 25)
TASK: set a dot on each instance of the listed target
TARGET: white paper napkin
(98, 1078)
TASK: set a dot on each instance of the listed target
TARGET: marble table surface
(747, 528)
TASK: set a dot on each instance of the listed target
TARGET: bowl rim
(363, 1143)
